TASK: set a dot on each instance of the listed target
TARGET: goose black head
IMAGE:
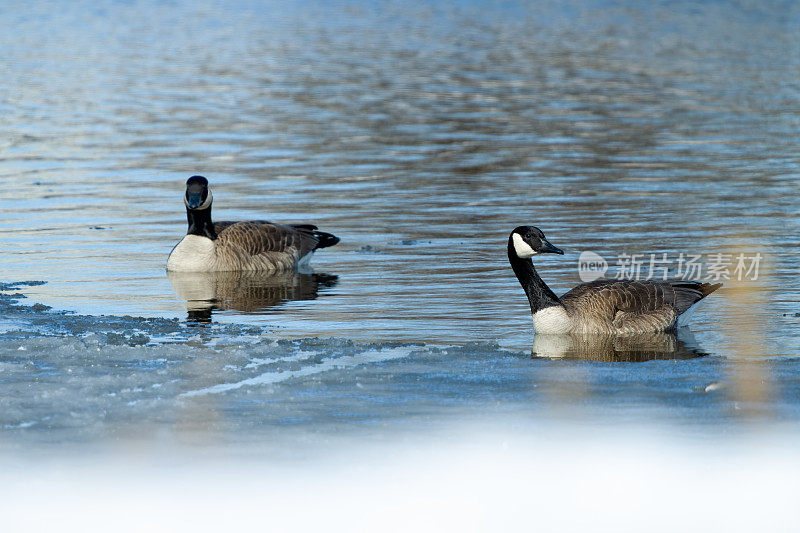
(527, 241)
(198, 196)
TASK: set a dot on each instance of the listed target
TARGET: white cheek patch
(522, 248)
(204, 205)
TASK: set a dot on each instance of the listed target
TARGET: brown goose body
(610, 307)
(262, 245)
(256, 245)
(630, 307)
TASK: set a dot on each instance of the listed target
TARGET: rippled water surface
(420, 135)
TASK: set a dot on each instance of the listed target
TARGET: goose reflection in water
(611, 348)
(245, 291)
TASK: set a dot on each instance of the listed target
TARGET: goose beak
(549, 248)
(193, 200)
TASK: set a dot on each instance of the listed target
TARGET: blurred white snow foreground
(626, 481)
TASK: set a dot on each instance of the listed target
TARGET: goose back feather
(262, 245)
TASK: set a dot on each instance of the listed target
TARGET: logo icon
(591, 266)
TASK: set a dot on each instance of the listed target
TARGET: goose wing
(634, 306)
(259, 237)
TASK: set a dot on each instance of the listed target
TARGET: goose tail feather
(708, 288)
(325, 239)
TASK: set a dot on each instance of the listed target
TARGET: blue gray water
(420, 135)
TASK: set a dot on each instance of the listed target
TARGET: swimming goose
(616, 307)
(251, 245)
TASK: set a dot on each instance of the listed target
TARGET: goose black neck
(539, 294)
(200, 223)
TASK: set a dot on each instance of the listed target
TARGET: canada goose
(617, 307)
(251, 245)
